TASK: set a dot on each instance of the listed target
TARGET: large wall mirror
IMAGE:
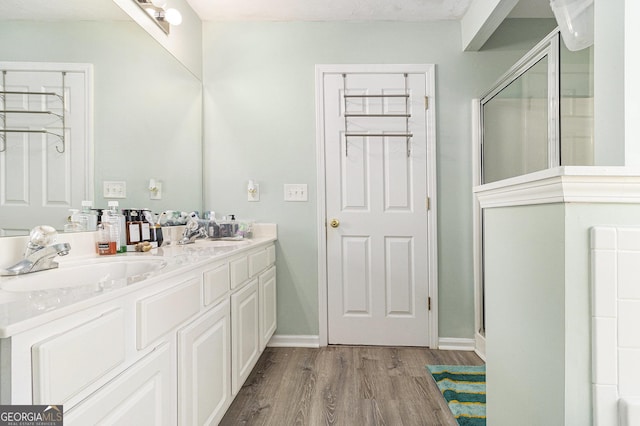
(147, 107)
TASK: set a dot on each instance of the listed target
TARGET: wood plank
(345, 385)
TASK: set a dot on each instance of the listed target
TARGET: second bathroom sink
(101, 272)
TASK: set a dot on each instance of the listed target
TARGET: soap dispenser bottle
(106, 238)
(133, 227)
(117, 220)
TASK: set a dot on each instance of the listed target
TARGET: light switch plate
(114, 189)
(295, 192)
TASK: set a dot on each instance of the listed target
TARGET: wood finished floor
(345, 385)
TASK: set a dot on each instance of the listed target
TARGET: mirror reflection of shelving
(24, 111)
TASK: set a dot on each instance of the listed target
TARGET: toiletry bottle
(154, 227)
(87, 215)
(133, 227)
(73, 222)
(105, 238)
(145, 225)
(117, 219)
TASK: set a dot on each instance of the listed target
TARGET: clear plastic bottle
(105, 239)
(74, 222)
(117, 220)
(88, 216)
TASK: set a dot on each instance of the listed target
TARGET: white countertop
(24, 310)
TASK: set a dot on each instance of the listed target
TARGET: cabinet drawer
(158, 314)
(142, 394)
(65, 364)
(257, 262)
(239, 271)
(216, 284)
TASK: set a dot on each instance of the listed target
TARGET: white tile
(629, 372)
(605, 358)
(605, 405)
(629, 275)
(603, 238)
(629, 238)
(603, 287)
(629, 409)
(628, 322)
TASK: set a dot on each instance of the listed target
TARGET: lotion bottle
(117, 220)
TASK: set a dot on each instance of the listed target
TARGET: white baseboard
(456, 344)
(294, 341)
(481, 347)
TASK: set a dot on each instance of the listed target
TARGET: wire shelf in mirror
(4, 111)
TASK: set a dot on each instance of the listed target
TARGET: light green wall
(608, 73)
(524, 312)
(538, 310)
(147, 106)
(260, 124)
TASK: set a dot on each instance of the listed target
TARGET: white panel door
(376, 188)
(39, 176)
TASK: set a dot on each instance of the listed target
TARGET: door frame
(432, 238)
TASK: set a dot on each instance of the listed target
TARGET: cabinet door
(204, 359)
(66, 363)
(268, 320)
(245, 333)
(143, 395)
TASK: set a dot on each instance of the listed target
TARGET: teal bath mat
(464, 389)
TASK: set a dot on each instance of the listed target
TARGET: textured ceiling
(350, 10)
(77, 10)
(270, 10)
(329, 10)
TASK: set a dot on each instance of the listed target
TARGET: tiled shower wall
(615, 315)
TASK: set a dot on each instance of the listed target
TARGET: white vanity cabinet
(268, 317)
(245, 339)
(144, 394)
(204, 367)
(175, 351)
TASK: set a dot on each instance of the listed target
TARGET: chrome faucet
(40, 253)
(193, 230)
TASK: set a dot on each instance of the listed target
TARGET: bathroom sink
(104, 273)
(227, 243)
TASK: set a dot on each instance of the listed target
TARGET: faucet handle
(43, 235)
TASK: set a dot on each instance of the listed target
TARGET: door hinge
(429, 303)
(426, 102)
(428, 203)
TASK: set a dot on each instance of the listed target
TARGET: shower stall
(538, 116)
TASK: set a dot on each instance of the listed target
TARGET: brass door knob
(334, 223)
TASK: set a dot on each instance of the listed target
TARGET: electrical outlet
(114, 189)
(295, 192)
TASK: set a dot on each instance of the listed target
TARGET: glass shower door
(515, 126)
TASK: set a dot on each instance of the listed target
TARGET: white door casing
(377, 269)
(36, 180)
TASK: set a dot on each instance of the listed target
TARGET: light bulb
(173, 17)
(159, 3)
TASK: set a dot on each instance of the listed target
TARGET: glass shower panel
(576, 107)
(515, 132)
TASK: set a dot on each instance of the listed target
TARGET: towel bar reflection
(4, 111)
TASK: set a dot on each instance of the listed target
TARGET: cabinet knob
(334, 223)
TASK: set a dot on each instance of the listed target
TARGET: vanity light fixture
(155, 189)
(162, 16)
(253, 191)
